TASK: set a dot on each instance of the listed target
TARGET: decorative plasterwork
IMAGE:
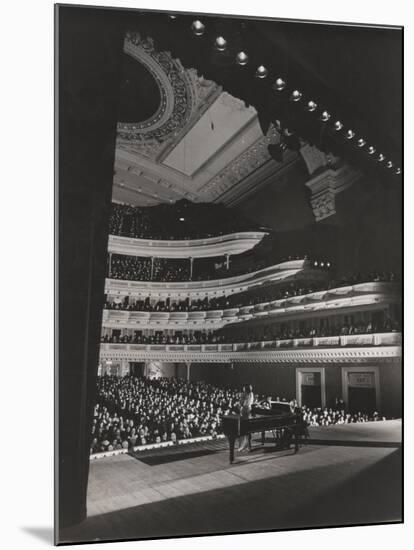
(326, 185)
(234, 243)
(182, 94)
(387, 354)
(247, 162)
(300, 308)
(151, 164)
(283, 271)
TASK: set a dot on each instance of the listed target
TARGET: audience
(135, 268)
(282, 331)
(161, 338)
(143, 269)
(183, 220)
(133, 411)
(328, 416)
(248, 333)
(261, 295)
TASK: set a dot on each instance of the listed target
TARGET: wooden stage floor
(344, 475)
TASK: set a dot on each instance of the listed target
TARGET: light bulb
(242, 58)
(325, 116)
(198, 28)
(279, 84)
(296, 95)
(221, 43)
(261, 72)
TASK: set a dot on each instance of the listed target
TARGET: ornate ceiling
(199, 143)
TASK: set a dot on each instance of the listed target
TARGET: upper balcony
(183, 220)
(210, 247)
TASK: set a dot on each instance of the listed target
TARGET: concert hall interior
(230, 195)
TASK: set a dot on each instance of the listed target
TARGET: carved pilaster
(326, 185)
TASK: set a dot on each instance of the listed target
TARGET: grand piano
(286, 425)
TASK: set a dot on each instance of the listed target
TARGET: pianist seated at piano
(276, 416)
(294, 407)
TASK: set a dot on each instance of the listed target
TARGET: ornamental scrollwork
(182, 93)
(243, 165)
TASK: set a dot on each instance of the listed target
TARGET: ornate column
(326, 185)
(329, 177)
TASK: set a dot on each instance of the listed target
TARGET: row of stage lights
(242, 59)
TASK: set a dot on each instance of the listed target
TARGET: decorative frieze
(379, 354)
(247, 162)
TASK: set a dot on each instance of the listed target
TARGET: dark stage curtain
(89, 45)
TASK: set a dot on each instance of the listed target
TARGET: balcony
(335, 301)
(330, 349)
(280, 272)
(234, 243)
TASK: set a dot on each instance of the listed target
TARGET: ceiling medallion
(175, 88)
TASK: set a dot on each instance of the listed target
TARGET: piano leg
(287, 438)
(296, 443)
(232, 441)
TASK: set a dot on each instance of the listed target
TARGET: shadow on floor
(166, 458)
(350, 443)
(329, 495)
(44, 534)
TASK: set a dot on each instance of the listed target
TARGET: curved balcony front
(216, 287)
(364, 296)
(377, 347)
(231, 244)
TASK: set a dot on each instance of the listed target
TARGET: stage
(342, 475)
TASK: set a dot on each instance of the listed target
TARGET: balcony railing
(233, 243)
(358, 297)
(343, 341)
(280, 272)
